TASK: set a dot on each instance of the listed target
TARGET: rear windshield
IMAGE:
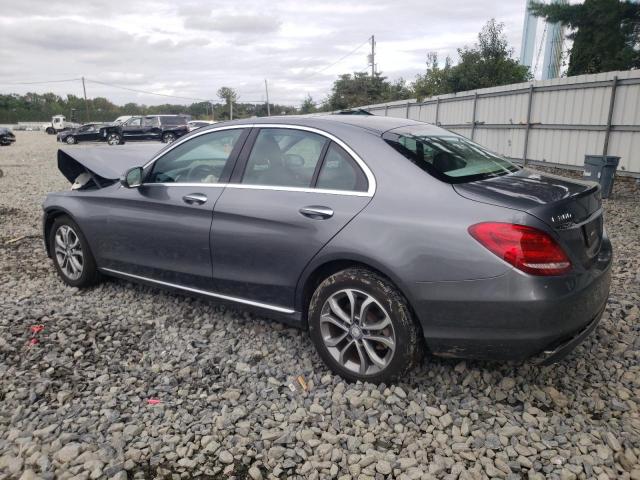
(451, 158)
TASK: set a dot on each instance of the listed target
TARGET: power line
(340, 59)
(148, 92)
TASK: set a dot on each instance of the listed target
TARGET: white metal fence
(557, 121)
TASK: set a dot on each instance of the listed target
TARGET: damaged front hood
(107, 162)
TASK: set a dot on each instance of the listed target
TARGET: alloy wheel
(357, 331)
(68, 251)
(113, 139)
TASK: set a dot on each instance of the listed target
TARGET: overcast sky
(192, 47)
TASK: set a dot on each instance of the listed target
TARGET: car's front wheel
(71, 254)
(114, 139)
(169, 137)
(363, 328)
(70, 140)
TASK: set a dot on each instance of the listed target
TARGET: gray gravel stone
(127, 378)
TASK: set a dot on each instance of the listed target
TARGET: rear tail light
(526, 248)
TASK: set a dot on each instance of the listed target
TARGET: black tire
(89, 273)
(408, 342)
(114, 139)
(70, 140)
(50, 131)
(169, 137)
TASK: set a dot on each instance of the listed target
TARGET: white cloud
(192, 47)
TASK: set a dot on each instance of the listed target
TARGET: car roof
(372, 123)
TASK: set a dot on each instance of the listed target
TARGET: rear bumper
(514, 316)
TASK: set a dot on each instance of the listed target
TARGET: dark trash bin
(601, 169)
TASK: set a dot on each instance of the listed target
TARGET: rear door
(151, 129)
(292, 190)
(160, 230)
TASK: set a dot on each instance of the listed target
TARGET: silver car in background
(384, 237)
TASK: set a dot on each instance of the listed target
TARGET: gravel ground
(126, 381)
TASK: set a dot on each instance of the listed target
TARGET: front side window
(134, 122)
(201, 159)
(284, 158)
(340, 172)
(450, 158)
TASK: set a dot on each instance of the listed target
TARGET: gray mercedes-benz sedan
(384, 237)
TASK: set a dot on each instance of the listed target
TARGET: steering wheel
(198, 173)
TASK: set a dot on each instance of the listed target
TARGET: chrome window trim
(247, 186)
(244, 301)
(371, 179)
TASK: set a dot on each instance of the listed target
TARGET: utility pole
(372, 56)
(86, 104)
(266, 88)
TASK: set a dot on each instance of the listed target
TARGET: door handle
(195, 198)
(317, 212)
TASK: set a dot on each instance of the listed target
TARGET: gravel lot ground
(77, 403)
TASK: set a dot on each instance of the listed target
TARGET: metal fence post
(612, 103)
(437, 110)
(473, 115)
(386, 110)
(526, 132)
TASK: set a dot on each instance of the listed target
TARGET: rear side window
(451, 158)
(284, 158)
(340, 172)
(173, 121)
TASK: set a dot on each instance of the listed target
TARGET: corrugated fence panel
(507, 141)
(399, 111)
(566, 147)
(455, 113)
(626, 145)
(504, 109)
(568, 118)
(586, 106)
(627, 108)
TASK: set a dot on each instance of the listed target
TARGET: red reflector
(526, 248)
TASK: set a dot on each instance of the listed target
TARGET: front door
(132, 129)
(161, 229)
(291, 193)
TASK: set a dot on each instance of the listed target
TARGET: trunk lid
(572, 208)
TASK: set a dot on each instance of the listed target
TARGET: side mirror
(132, 178)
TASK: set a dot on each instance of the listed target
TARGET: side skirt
(284, 314)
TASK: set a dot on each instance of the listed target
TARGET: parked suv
(166, 128)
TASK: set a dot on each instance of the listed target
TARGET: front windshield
(450, 158)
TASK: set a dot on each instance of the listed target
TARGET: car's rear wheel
(363, 328)
(114, 139)
(70, 140)
(169, 137)
(71, 254)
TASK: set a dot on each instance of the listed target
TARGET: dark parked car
(165, 128)
(379, 235)
(89, 132)
(6, 137)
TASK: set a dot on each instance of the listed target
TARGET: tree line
(605, 35)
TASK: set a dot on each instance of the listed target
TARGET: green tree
(308, 106)
(359, 88)
(229, 95)
(488, 63)
(606, 33)
(436, 80)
